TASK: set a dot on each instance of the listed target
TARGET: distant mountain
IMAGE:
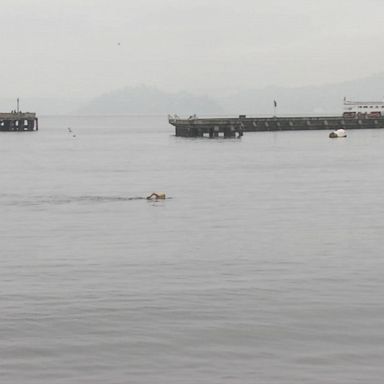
(147, 100)
(326, 99)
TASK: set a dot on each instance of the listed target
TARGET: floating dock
(18, 121)
(235, 126)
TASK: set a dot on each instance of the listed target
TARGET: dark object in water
(71, 132)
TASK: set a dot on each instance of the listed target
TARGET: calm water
(264, 266)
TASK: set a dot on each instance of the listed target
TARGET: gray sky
(82, 48)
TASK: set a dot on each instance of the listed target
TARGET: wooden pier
(18, 121)
(208, 127)
(235, 126)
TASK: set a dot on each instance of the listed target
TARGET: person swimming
(156, 196)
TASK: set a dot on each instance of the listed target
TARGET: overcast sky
(82, 48)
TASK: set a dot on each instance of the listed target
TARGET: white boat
(338, 133)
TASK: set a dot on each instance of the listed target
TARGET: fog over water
(81, 49)
(264, 265)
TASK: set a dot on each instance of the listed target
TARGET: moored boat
(338, 133)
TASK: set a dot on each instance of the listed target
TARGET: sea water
(264, 264)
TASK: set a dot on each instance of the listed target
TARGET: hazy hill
(326, 99)
(147, 100)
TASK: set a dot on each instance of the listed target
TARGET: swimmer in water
(156, 196)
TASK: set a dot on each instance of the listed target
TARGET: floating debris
(71, 132)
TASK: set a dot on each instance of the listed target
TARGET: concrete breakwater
(236, 126)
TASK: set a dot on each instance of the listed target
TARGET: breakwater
(236, 126)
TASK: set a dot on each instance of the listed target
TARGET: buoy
(156, 196)
(338, 133)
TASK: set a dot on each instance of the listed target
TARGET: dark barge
(235, 126)
(18, 121)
